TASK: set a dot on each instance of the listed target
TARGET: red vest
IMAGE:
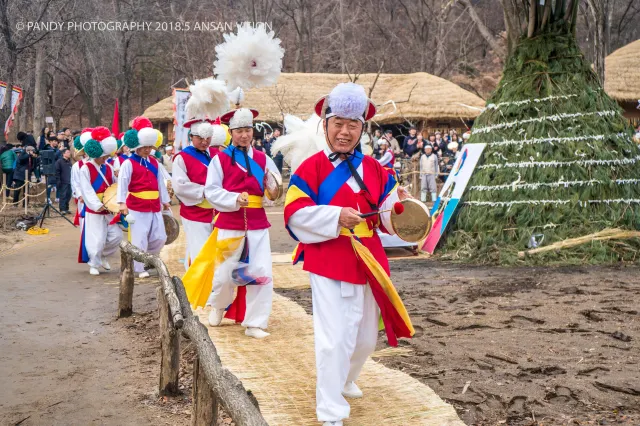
(143, 179)
(197, 173)
(95, 177)
(336, 259)
(236, 180)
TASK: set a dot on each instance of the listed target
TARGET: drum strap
(335, 155)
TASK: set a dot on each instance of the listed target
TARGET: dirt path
(64, 359)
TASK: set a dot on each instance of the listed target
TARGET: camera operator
(63, 139)
(52, 181)
(26, 161)
(63, 177)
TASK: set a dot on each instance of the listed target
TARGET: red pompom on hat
(140, 123)
(100, 133)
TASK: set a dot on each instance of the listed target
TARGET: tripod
(48, 206)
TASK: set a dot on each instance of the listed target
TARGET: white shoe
(105, 264)
(144, 274)
(215, 317)
(351, 390)
(338, 423)
(94, 271)
(256, 332)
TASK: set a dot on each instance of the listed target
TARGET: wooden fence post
(169, 348)
(125, 303)
(26, 190)
(204, 406)
(4, 190)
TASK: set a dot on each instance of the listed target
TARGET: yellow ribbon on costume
(100, 196)
(146, 195)
(204, 204)
(255, 202)
(198, 279)
(385, 282)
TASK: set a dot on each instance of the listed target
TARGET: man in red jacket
(341, 250)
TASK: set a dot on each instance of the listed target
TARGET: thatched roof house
(421, 98)
(622, 78)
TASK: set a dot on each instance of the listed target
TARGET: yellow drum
(110, 199)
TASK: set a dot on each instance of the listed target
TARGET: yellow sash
(255, 202)
(204, 204)
(100, 195)
(146, 195)
(361, 230)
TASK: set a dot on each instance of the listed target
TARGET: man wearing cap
(429, 170)
(235, 188)
(167, 159)
(99, 239)
(189, 177)
(393, 142)
(142, 194)
(341, 250)
(387, 159)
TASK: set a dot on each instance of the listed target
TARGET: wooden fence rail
(213, 384)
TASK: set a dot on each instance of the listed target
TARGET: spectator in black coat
(63, 179)
(409, 145)
(26, 139)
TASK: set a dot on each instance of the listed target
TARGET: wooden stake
(169, 349)
(125, 303)
(204, 408)
(26, 190)
(4, 190)
(230, 392)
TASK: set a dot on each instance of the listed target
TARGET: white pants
(259, 297)
(345, 327)
(147, 233)
(197, 234)
(100, 238)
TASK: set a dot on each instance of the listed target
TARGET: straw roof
(622, 73)
(418, 96)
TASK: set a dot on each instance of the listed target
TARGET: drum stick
(398, 208)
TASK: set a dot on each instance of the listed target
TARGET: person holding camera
(63, 177)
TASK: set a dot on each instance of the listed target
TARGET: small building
(622, 79)
(430, 103)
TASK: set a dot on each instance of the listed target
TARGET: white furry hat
(239, 118)
(452, 145)
(346, 100)
(204, 129)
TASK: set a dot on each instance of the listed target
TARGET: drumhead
(110, 199)
(273, 186)
(414, 223)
